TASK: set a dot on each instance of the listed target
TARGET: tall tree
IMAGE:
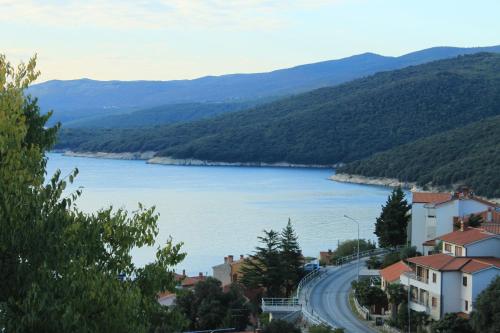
(291, 258)
(486, 315)
(60, 267)
(390, 227)
(396, 295)
(264, 268)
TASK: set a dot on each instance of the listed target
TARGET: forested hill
(79, 99)
(329, 125)
(469, 155)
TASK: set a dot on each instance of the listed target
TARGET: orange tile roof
(430, 242)
(446, 262)
(393, 272)
(494, 228)
(428, 197)
(467, 236)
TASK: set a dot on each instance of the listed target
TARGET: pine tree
(292, 259)
(264, 268)
(390, 227)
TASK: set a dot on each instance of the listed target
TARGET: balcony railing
(416, 277)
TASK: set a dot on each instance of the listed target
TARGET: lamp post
(357, 222)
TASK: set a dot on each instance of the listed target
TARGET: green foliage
(277, 265)
(350, 246)
(474, 220)
(390, 227)
(329, 125)
(280, 326)
(389, 259)
(452, 323)
(396, 295)
(373, 263)
(60, 267)
(418, 320)
(325, 329)
(486, 315)
(393, 257)
(368, 295)
(291, 258)
(464, 156)
(208, 307)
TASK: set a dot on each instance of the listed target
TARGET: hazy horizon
(179, 39)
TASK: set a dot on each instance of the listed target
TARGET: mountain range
(75, 100)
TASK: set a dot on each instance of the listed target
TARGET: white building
(442, 283)
(470, 242)
(434, 214)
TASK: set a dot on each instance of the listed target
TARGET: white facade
(429, 220)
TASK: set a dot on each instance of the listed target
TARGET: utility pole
(357, 222)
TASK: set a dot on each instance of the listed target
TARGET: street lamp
(357, 222)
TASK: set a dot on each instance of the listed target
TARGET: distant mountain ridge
(78, 99)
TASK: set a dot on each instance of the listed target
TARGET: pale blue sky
(177, 39)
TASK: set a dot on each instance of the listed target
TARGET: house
(325, 257)
(168, 298)
(392, 273)
(443, 283)
(434, 214)
(229, 271)
(470, 242)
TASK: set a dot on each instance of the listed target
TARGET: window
(447, 247)
(431, 212)
(464, 281)
(434, 277)
(458, 251)
(434, 302)
(466, 305)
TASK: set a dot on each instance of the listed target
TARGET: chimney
(200, 274)
(461, 225)
(230, 258)
(183, 272)
(329, 251)
(225, 260)
(242, 257)
(489, 214)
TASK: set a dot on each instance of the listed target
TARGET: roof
(429, 197)
(467, 236)
(430, 242)
(393, 272)
(494, 228)
(445, 262)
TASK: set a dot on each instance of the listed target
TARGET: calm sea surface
(217, 211)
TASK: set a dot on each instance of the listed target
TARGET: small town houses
(459, 261)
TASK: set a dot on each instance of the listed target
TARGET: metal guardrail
(368, 253)
(414, 276)
(280, 301)
(308, 278)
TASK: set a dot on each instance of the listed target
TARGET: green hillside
(465, 156)
(329, 125)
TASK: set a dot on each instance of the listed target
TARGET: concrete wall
(468, 206)
(481, 280)
(418, 218)
(222, 273)
(450, 295)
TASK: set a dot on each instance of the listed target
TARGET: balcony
(415, 277)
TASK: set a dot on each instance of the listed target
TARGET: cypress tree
(292, 259)
(391, 225)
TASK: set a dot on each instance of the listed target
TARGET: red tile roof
(494, 228)
(467, 236)
(428, 197)
(445, 262)
(430, 242)
(393, 272)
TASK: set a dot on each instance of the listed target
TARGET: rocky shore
(357, 179)
(115, 156)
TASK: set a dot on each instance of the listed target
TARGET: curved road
(328, 298)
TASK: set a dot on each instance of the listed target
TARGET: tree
(486, 315)
(418, 319)
(452, 323)
(368, 295)
(396, 295)
(63, 270)
(264, 268)
(350, 246)
(390, 227)
(291, 258)
(280, 326)
(208, 307)
(474, 220)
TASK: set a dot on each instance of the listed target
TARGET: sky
(185, 39)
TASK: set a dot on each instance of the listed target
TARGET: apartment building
(229, 271)
(434, 214)
(442, 283)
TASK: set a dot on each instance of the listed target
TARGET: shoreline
(150, 158)
(377, 181)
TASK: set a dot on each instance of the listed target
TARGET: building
(470, 242)
(229, 271)
(434, 214)
(167, 298)
(443, 283)
(392, 273)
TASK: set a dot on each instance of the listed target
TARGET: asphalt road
(328, 298)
